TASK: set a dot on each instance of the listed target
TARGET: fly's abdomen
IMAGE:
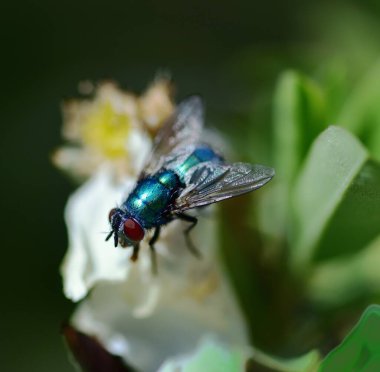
(199, 155)
(151, 198)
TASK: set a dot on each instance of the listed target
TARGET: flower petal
(177, 324)
(145, 318)
(89, 258)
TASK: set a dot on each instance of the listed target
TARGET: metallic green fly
(182, 173)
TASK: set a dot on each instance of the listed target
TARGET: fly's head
(125, 229)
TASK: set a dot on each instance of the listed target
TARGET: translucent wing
(212, 183)
(183, 129)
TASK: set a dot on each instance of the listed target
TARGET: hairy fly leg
(193, 221)
(135, 253)
(116, 239)
(152, 241)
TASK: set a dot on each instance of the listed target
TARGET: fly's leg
(115, 237)
(193, 221)
(152, 241)
(135, 253)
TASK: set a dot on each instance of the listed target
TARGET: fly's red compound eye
(133, 230)
(110, 215)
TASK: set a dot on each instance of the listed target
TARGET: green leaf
(214, 359)
(361, 112)
(336, 200)
(209, 356)
(212, 356)
(360, 350)
(333, 283)
(305, 363)
(299, 115)
(334, 78)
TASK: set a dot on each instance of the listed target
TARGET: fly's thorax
(199, 155)
(152, 197)
(168, 178)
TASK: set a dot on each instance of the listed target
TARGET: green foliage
(298, 116)
(210, 357)
(305, 363)
(320, 218)
(214, 357)
(343, 279)
(308, 263)
(336, 201)
(361, 113)
(360, 350)
(324, 205)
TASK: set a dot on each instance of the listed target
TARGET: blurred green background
(229, 52)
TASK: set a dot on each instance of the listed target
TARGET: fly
(181, 173)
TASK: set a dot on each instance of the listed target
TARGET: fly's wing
(214, 182)
(182, 130)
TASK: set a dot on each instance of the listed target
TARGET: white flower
(135, 314)
(144, 318)
(155, 104)
(109, 127)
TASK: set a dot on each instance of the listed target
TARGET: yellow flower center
(106, 131)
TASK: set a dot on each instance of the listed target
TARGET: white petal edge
(89, 257)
